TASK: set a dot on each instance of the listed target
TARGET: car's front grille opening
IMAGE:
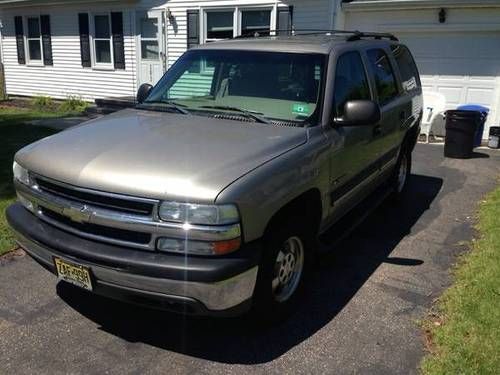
(99, 230)
(99, 200)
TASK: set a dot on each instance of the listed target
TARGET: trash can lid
(474, 107)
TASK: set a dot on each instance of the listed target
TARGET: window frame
(365, 70)
(27, 39)
(237, 18)
(101, 65)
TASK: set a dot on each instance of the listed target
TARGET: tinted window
(350, 81)
(384, 76)
(407, 67)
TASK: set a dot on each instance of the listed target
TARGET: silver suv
(209, 196)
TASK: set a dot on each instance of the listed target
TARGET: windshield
(275, 86)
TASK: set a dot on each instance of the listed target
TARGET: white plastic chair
(434, 106)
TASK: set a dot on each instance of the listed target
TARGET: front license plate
(73, 273)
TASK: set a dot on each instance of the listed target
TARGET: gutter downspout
(338, 15)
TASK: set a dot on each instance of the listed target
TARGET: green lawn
(464, 333)
(14, 134)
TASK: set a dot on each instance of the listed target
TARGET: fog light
(198, 247)
(26, 203)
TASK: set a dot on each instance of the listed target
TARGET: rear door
(392, 105)
(410, 85)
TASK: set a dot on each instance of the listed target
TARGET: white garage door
(465, 67)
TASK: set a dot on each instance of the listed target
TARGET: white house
(456, 44)
(96, 49)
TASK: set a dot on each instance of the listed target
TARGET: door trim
(360, 180)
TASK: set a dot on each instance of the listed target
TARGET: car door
(353, 156)
(411, 87)
(392, 105)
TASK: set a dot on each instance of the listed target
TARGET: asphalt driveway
(360, 315)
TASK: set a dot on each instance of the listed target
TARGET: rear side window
(407, 67)
(350, 81)
(385, 80)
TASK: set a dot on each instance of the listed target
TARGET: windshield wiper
(251, 114)
(167, 104)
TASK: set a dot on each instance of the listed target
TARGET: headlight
(21, 174)
(199, 213)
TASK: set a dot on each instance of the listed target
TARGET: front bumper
(194, 285)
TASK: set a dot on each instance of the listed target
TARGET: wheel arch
(308, 202)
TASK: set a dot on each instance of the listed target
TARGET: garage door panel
(453, 94)
(479, 96)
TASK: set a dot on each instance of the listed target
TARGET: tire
(401, 175)
(284, 268)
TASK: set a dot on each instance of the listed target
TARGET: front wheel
(284, 266)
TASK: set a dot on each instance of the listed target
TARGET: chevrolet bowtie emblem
(78, 214)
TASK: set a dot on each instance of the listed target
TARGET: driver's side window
(351, 82)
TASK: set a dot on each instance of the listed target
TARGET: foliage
(73, 103)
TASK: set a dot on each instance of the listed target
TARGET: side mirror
(359, 113)
(143, 92)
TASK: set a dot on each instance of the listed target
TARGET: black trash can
(461, 128)
(494, 139)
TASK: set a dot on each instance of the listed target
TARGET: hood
(158, 155)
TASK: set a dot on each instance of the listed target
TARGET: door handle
(377, 130)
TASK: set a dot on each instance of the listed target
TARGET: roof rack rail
(352, 35)
(358, 35)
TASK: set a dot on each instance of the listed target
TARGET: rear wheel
(402, 171)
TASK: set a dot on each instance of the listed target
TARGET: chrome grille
(104, 200)
(98, 230)
(96, 201)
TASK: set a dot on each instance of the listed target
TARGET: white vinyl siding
(307, 14)
(66, 77)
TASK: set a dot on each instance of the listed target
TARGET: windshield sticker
(300, 109)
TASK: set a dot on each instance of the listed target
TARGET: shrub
(42, 103)
(73, 104)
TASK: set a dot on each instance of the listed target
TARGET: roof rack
(352, 35)
(358, 35)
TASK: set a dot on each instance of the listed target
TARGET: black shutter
(118, 44)
(21, 57)
(46, 40)
(193, 28)
(83, 24)
(285, 20)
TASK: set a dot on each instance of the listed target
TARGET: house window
(34, 39)
(102, 39)
(220, 25)
(255, 21)
(227, 23)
